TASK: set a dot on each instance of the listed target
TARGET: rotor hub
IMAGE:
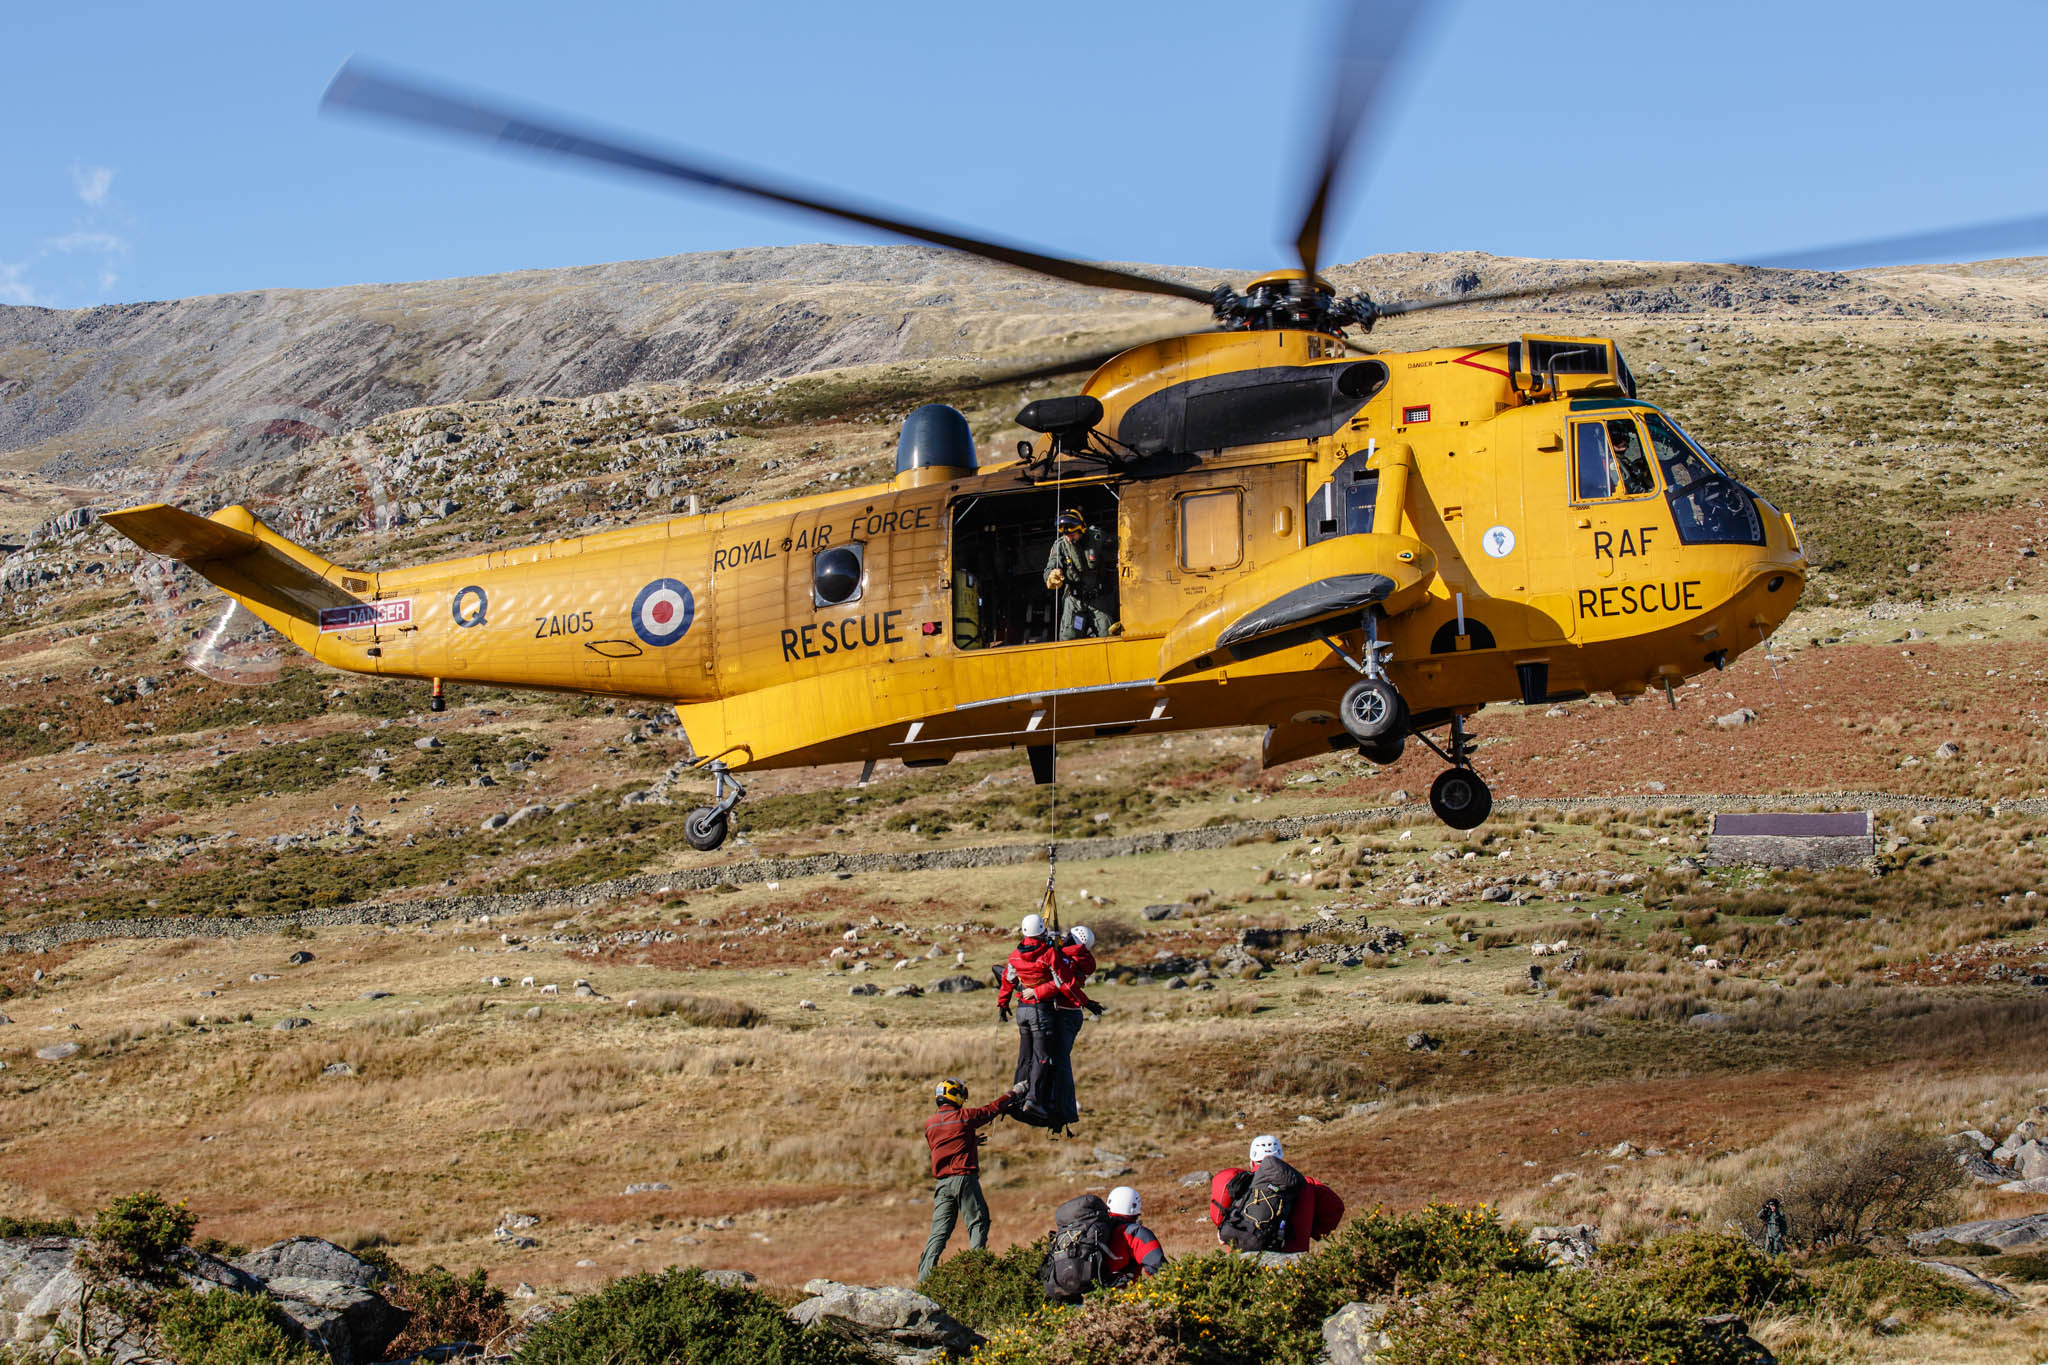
(1291, 300)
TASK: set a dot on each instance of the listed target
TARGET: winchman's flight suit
(1087, 593)
(1077, 964)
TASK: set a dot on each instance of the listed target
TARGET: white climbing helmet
(1263, 1146)
(1034, 926)
(1125, 1202)
(1084, 936)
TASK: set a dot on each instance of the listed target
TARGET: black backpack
(1261, 1202)
(1080, 1249)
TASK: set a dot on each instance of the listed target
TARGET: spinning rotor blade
(358, 88)
(1371, 39)
(2003, 236)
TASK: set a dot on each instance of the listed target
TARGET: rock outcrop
(891, 1324)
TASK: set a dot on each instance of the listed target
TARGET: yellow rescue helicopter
(1261, 524)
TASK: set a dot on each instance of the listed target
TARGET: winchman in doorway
(1080, 568)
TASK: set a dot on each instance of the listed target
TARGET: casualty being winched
(1347, 549)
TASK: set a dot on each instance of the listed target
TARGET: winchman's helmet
(950, 1091)
(1071, 520)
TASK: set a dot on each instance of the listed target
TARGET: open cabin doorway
(1001, 542)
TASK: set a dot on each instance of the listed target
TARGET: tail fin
(285, 585)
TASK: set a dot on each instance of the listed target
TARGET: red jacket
(1133, 1250)
(1034, 973)
(951, 1135)
(1317, 1209)
(1077, 964)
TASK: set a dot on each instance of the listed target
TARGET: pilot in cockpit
(1631, 464)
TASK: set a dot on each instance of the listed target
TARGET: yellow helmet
(950, 1091)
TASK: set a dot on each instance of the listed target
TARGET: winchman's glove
(1056, 579)
(1095, 1008)
(1003, 1013)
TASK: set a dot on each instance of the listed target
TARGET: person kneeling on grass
(1096, 1244)
(955, 1139)
(1272, 1206)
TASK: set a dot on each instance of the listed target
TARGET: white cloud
(105, 242)
(108, 279)
(13, 288)
(92, 183)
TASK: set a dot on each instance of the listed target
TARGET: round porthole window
(835, 575)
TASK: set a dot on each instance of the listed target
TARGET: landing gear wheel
(1384, 752)
(1372, 710)
(704, 829)
(1460, 799)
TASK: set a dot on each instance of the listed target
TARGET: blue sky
(160, 150)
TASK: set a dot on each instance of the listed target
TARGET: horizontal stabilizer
(255, 565)
(165, 530)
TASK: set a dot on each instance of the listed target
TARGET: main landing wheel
(1372, 710)
(704, 828)
(1460, 799)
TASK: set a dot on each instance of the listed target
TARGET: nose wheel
(1372, 710)
(1459, 796)
(705, 827)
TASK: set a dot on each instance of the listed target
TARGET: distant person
(1271, 1206)
(955, 1139)
(1080, 568)
(1077, 964)
(1776, 1227)
(1034, 979)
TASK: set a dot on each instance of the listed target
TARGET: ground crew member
(1081, 570)
(953, 1136)
(1272, 1203)
(1077, 964)
(1776, 1227)
(1133, 1249)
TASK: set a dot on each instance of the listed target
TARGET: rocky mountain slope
(120, 386)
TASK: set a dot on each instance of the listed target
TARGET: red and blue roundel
(663, 611)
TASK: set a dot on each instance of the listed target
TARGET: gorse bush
(988, 1291)
(444, 1307)
(225, 1328)
(1873, 1288)
(676, 1316)
(1570, 1319)
(1707, 1272)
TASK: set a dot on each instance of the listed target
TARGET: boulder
(2031, 1161)
(1733, 1333)
(2007, 1234)
(57, 1052)
(1969, 1279)
(39, 1297)
(349, 1323)
(890, 1324)
(1566, 1248)
(308, 1258)
(1160, 912)
(730, 1279)
(954, 985)
(1276, 1260)
(1352, 1335)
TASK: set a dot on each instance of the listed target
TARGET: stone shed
(1793, 839)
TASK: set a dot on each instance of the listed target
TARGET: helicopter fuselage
(908, 619)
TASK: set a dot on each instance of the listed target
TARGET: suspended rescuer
(1077, 963)
(1272, 1206)
(955, 1139)
(1096, 1243)
(1034, 978)
(1081, 570)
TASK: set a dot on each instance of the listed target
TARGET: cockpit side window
(1609, 460)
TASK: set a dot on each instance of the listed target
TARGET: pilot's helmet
(1071, 520)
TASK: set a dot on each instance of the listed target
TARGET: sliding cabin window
(1609, 461)
(1212, 530)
